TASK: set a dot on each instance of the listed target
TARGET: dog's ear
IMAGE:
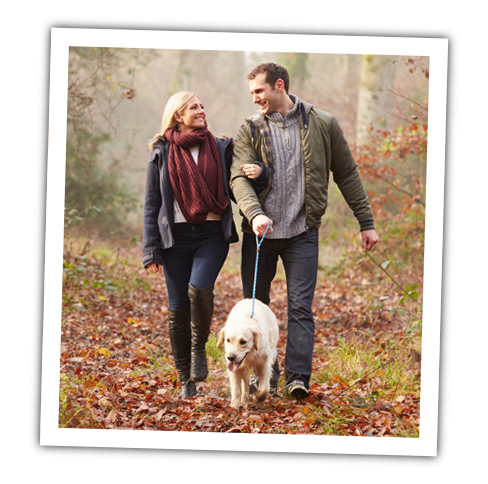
(256, 339)
(220, 343)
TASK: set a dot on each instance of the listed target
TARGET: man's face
(267, 98)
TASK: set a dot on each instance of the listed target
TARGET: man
(300, 145)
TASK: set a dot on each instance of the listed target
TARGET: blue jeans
(198, 254)
(300, 260)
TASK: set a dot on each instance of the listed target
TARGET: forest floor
(117, 371)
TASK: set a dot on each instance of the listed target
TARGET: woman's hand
(155, 268)
(251, 170)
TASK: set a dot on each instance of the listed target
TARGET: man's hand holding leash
(260, 224)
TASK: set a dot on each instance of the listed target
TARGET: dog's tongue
(232, 366)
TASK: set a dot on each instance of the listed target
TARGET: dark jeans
(300, 259)
(196, 258)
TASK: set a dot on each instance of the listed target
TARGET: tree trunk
(375, 105)
(182, 73)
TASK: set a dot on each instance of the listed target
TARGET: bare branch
(396, 92)
(411, 121)
(389, 275)
(397, 187)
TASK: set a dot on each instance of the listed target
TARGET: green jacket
(324, 150)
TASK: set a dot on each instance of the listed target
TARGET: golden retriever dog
(250, 345)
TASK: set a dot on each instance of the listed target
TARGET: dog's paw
(261, 395)
(235, 404)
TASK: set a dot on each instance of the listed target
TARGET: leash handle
(258, 244)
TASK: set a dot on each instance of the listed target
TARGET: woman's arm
(151, 247)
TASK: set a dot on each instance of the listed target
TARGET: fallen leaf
(151, 347)
(144, 407)
(112, 415)
(254, 417)
(165, 394)
(398, 409)
(104, 351)
(159, 415)
(326, 407)
(376, 382)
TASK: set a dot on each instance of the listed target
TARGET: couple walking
(277, 171)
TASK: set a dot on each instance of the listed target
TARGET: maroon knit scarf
(198, 189)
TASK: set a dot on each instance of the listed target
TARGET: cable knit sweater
(285, 203)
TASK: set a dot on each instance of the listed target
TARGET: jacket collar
(161, 143)
(259, 120)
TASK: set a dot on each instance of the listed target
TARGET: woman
(188, 225)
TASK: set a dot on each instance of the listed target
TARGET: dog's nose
(231, 357)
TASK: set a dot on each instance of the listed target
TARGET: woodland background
(116, 365)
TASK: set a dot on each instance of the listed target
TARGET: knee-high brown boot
(180, 338)
(201, 317)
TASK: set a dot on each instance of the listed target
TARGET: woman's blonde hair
(176, 104)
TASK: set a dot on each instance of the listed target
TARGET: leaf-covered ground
(117, 372)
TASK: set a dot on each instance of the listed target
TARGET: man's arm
(242, 187)
(347, 177)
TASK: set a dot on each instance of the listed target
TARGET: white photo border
(61, 40)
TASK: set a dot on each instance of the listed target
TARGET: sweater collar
(258, 119)
(278, 118)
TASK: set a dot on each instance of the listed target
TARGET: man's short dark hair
(273, 73)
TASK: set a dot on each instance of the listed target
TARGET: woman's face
(193, 116)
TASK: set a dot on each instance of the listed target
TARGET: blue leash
(258, 243)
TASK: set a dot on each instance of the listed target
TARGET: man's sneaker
(254, 386)
(296, 390)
